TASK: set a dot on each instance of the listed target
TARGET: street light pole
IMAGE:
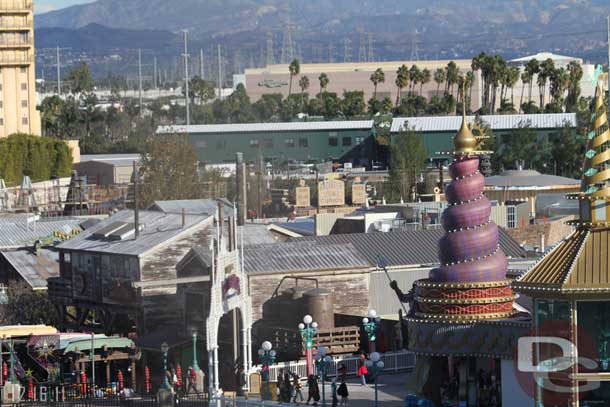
(375, 366)
(267, 357)
(164, 350)
(370, 325)
(323, 362)
(195, 364)
(12, 378)
(308, 329)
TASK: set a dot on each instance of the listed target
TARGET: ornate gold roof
(579, 264)
(596, 176)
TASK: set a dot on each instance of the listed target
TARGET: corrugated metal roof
(193, 206)
(302, 256)
(496, 122)
(118, 160)
(527, 178)
(17, 231)
(157, 228)
(404, 248)
(34, 268)
(268, 127)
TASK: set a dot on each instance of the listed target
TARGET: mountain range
(334, 29)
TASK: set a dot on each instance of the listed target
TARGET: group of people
(290, 389)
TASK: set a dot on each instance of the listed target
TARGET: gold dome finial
(464, 142)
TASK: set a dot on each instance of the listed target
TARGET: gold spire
(596, 177)
(465, 142)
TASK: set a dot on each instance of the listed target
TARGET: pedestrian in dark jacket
(313, 390)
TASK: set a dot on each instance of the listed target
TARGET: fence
(230, 402)
(145, 401)
(394, 362)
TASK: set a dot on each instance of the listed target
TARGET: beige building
(18, 112)
(352, 76)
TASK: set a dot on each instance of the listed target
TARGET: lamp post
(323, 362)
(12, 378)
(308, 329)
(164, 350)
(375, 366)
(370, 325)
(195, 364)
(267, 357)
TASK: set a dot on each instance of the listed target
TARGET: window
(333, 141)
(24, 69)
(359, 140)
(24, 121)
(0, 87)
(24, 103)
(24, 86)
(201, 144)
(221, 144)
(268, 143)
(1, 104)
(347, 141)
(254, 143)
(304, 142)
(289, 142)
(1, 122)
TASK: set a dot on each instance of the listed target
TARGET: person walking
(342, 370)
(333, 392)
(362, 370)
(297, 388)
(343, 393)
(192, 376)
(286, 390)
(313, 390)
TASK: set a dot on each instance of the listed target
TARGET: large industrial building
(300, 141)
(18, 112)
(343, 141)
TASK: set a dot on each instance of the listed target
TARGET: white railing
(221, 401)
(394, 362)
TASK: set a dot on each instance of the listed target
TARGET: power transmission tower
(155, 72)
(58, 73)
(362, 48)
(414, 47)
(371, 56)
(270, 59)
(219, 74)
(347, 50)
(288, 53)
(186, 78)
(201, 67)
(331, 53)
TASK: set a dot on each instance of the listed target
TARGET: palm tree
(452, 74)
(402, 80)
(323, 78)
(512, 77)
(304, 85)
(532, 68)
(546, 71)
(575, 72)
(470, 85)
(377, 77)
(559, 81)
(414, 75)
(295, 69)
(439, 78)
(525, 79)
(425, 78)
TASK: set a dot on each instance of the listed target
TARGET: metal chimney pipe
(136, 211)
(183, 217)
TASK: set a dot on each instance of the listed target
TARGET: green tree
(304, 85)
(352, 104)
(377, 77)
(531, 68)
(408, 159)
(295, 69)
(575, 76)
(79, 79)
(268, 107)
(439, 78)
(323, 79)
(546, 71)
(202, 90)
(452, 73)
(414, 74)
(168, 170)
(425, 77)
(27, 307)
(402, 80)
(51, 110)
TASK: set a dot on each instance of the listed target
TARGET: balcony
(13, 43)
(7, 61)
(16, 6)
(16, 25)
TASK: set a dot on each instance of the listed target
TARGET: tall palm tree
(546, 71)
(425, 78)
(525, 79)
(414, 75)
(439, 78)
(575, 73)
(531, 68)
(295, 69)
(323, 78)
(377, 77)
(512, 77)
(452, 73)
(402, 80)
(470, 85)
(304, 85)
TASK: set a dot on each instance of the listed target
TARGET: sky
(42, 6)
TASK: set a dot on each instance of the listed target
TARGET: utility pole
(201, 68)
(155, 72)
(140, 79)
(186, 78)
(219, 74)
(58, 74)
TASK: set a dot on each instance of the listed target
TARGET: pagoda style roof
(578, 264)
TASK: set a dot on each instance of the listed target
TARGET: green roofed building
(345, 141)
(438, 131)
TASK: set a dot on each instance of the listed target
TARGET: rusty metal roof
(578, 264)
(35, 267)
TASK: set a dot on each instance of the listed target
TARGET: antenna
(186, 78)
(270, 59)
(219, 74)
(371, 56)
(140, 80)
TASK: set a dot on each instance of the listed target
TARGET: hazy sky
(46, 5)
